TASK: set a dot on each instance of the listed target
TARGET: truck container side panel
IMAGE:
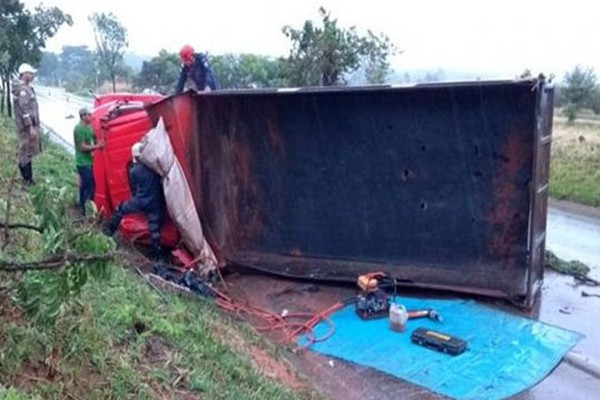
(431, 183)
(539, 189)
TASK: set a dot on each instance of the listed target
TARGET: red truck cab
(121, 120)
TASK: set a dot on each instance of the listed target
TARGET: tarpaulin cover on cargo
(441, 185)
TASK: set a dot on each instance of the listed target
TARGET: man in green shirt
(85, 145)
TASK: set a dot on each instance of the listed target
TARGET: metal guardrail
(60, 95)
(56, 138)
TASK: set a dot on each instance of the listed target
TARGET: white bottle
(398, 317)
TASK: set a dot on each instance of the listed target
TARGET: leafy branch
(70, 253)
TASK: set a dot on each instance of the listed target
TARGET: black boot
(23, 172)
(30, 180)
(109, 229)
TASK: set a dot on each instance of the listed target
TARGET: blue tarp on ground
(507, 353)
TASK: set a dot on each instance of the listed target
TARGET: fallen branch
(586, 280)
(21, 226)
(54, 262)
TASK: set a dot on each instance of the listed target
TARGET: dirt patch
(163, 393)
(564, 135)
(34, 372)
(275, 368)
(157, 350)
(263, 360)
(75, 384)
(10, 312)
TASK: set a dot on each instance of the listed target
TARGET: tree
(323, 55)
(578, 91)
(49, 68)
(377, 48)
(248, 71)
(595, 101)
(78, 67)
(23, 35)
(160, 73)
(111, 42)
(74, 69)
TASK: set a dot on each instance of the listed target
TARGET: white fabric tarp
(157, 153)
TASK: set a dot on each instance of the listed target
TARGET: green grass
(119, 339)
(575, 164)
(97, 339)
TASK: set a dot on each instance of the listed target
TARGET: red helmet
(187, 53)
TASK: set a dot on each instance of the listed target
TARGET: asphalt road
(59, 112)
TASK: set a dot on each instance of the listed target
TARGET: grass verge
(575, 163)
(120, 339)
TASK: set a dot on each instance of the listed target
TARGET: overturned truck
(441, 185)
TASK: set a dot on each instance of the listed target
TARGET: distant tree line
(321, 53)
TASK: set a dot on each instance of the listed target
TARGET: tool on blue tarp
(439, 341)
(426, 313)
(372, 300)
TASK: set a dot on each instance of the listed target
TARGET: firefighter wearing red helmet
(197, 68)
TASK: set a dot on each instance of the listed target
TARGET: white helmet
(136, 151)
(23, 68)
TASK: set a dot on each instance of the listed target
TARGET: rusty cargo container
(441, 185)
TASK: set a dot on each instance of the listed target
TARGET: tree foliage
(48, 70)
(578, 91)
(248, 71)
(160, 73)
(323, 54)
(73, 68)
(23, 35)
(111, 42)
(377, 49)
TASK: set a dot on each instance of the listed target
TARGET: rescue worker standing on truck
(148, 198)
(197, 68)
(27, 120)
(85, 145)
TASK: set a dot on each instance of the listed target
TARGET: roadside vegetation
(575, 162)
(113, 337)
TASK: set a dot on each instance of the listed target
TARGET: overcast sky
(495, 37)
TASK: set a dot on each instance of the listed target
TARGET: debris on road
(574, 268)
(568, 310)
(586, 294)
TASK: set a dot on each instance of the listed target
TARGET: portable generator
(372, 300)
